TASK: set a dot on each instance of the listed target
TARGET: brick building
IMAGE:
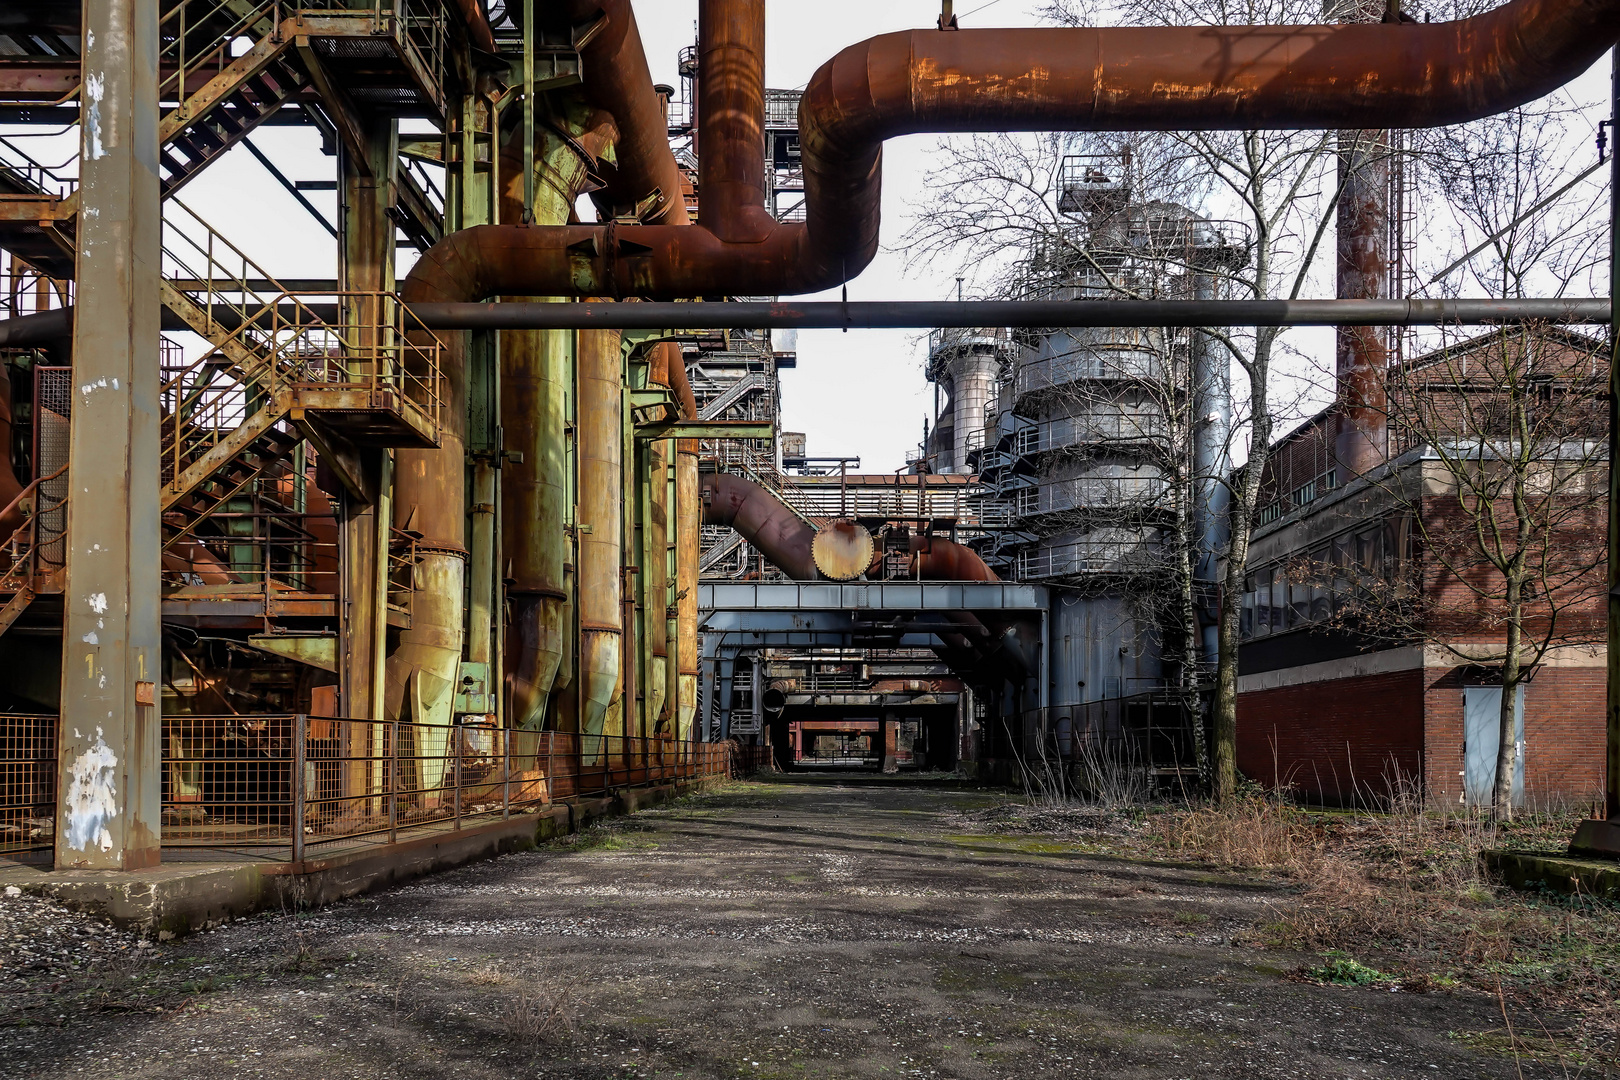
(1373, 631)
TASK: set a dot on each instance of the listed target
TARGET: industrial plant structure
(295, 566)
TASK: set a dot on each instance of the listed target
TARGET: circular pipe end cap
(842, 550)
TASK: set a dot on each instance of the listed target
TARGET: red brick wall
(1563, 734)
(1331, 740)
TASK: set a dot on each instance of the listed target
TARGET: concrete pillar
(109, 749)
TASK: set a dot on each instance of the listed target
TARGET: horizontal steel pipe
(1127, 78)
(868, 315)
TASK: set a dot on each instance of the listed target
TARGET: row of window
(1303, 495)
(1310, 590)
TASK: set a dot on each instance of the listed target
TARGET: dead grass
(1403, 893)
(1250, 832)
(488, 975)
(542, 1012)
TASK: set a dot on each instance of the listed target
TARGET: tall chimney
(1362, 440)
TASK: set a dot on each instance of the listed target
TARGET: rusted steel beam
(866, 315)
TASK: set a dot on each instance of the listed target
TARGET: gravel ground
(826, 929)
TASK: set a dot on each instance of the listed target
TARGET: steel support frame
(109, 781)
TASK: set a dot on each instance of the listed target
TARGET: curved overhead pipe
(934, 558)
(1107, 78)
(763, 520)
(645, 181)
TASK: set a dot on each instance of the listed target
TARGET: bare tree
(1497, 497)
(1280, 184)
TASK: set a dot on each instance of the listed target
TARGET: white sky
(860, 393)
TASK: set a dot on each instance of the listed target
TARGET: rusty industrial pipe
(934, 558)
(1107, 78)
(536, 374)
(763, 520)
(644, 182)
(601, 497)
(477, 24)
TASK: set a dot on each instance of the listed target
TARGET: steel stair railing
(226, 412)
(20, 552)
(716, 407)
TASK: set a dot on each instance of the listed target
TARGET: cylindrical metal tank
(601, 497)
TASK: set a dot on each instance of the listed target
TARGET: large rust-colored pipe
(601, 495)
(655, 570)
(1108, 78)
(934, 558)
(477, 24)
(763, 520)
(688, 550)
(645, 181)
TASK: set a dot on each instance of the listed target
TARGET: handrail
(23, 553)
(33, 484)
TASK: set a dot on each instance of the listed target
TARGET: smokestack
(1362, 441)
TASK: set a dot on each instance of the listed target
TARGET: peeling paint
(95, 85)
(91, 802)
(91, 639)
(87, 388)
(98, 602)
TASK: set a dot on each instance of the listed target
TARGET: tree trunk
(1507, 748)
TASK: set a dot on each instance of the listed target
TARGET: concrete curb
(178, 898)
(1599, 878)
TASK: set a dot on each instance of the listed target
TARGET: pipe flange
(842, 550)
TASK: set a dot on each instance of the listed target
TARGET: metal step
(14, 607)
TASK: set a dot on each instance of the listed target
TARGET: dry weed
(1404, 890)
(542, 1012)
(488, 975)
(1252, 832)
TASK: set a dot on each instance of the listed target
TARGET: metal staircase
(275, 372)
(20, 562)
(37, 204)
(717, 406)
(344, 54)
(253, 89)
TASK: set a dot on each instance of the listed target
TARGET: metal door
(1482, 731)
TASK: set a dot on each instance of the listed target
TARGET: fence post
(506, 773)
(300, 795)
(455, 733)
(393, 782)
(551, 776)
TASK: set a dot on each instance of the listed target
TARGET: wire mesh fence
(27, 787)
(304, 785)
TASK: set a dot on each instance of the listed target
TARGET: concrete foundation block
(161, 902)
(1570, 874)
